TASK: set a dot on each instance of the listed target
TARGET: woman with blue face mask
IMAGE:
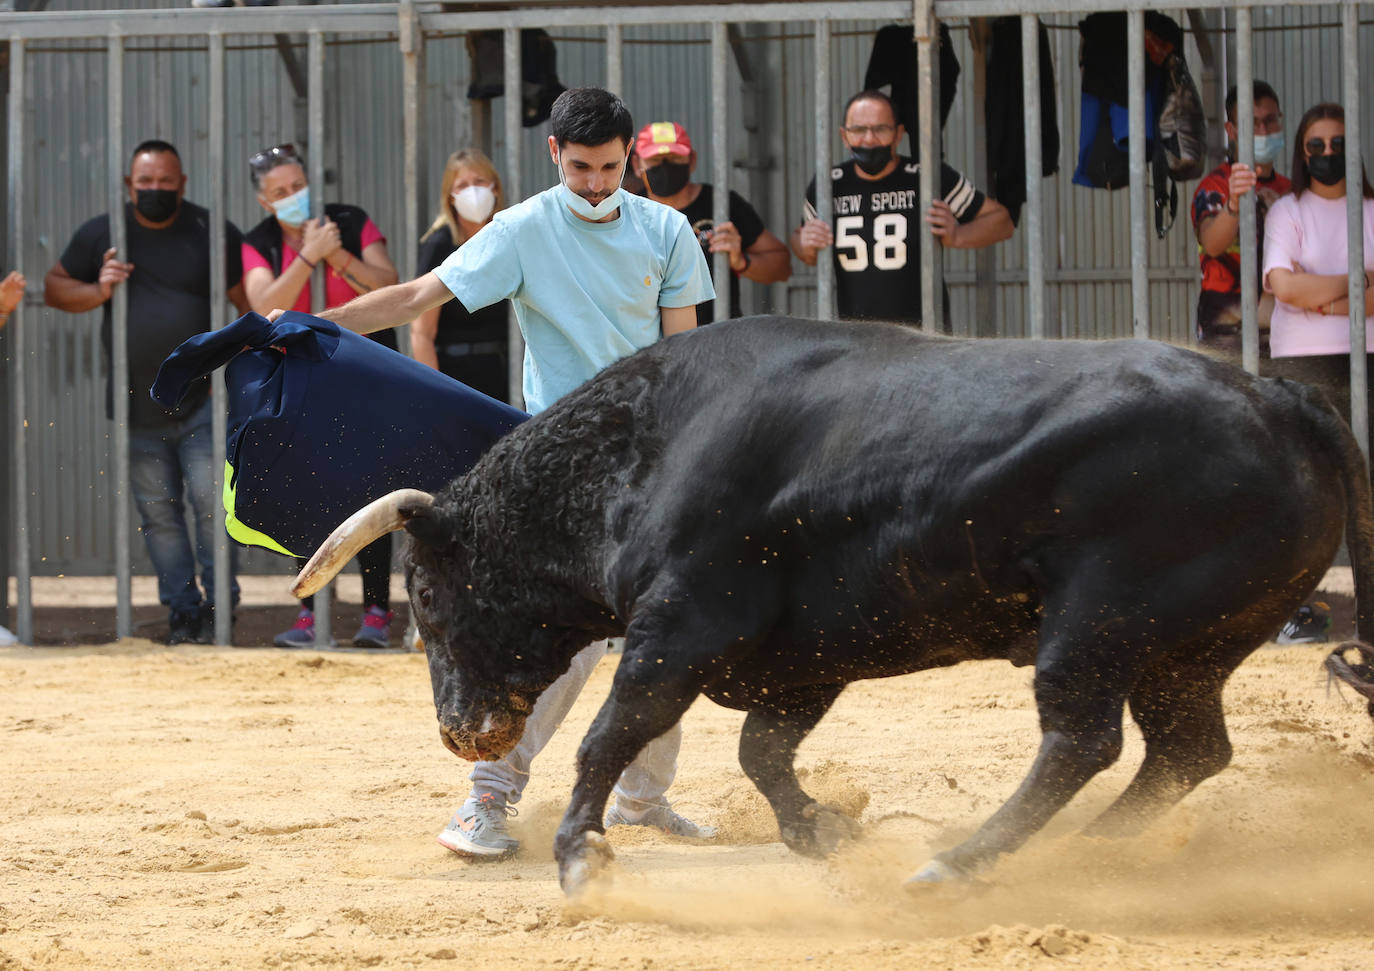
(284, 257)
(286, 249)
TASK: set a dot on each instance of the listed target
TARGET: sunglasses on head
(269, 158)
(1317, 146)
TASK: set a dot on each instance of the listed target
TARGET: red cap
(662, 138)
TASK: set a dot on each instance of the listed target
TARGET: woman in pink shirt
(284, 257)
(1305, 261)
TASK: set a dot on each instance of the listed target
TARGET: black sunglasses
(270, 158)
(1317, 146)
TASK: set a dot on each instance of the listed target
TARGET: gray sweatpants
(641, 785)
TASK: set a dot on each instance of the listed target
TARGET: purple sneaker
(376, 629)
(302, 632)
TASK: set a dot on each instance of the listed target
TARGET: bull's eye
(426, 597)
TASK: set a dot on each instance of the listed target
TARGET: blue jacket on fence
(322, 421)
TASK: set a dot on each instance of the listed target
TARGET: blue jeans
(167, 467)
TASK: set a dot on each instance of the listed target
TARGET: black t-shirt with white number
(169, 297)
(878, 229)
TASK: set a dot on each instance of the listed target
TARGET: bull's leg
(767, 750)
(645, 701)
(1180, 716)
(1080, 691)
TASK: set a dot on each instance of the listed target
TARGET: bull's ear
(427, 524)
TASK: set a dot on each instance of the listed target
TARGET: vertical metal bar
(19, 475)
(511, 64)
(1135, 70)
(223, 592)
(825, 265)
(985, 321)
(720, 167)
(119, 346)
(1354, 224)
(928, 156)
(412, 43)
(615, 58)
(1249, 226)
(324, 612)
(1035, 202)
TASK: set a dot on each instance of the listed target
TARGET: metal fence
(724, 69)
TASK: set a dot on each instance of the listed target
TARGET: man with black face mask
(664, 160)
(168, 275)
(877, 234)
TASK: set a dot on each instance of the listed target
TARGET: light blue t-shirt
(586, 294)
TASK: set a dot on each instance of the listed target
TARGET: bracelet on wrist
(301, 257)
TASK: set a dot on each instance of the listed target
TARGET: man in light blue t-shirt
(595, 274)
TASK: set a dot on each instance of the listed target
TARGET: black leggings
(374, 562)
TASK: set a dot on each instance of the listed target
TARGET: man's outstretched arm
(388, 307)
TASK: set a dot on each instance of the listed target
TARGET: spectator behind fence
(11, 292)
(170, 451)
(468, 346)
(664, 161)
(595, 274)
(281, 255)
(877, 232)
(1305, 267)
(1216, 221)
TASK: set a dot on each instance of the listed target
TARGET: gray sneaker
(478, 828)
(661, 817)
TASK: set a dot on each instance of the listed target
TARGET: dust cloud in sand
(201, 807)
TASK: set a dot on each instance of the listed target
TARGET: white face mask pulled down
(584, 208)
(474, 202)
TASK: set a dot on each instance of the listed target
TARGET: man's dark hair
(870, 96)
(154, 145)
(592, 117)
(1262, 91)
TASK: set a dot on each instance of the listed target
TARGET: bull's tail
(1359, 527)
(1327, 427)
(1351, 661)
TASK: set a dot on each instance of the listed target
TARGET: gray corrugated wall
(666, 76)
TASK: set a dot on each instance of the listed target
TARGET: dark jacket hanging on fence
(1006, 122)
(893, 61)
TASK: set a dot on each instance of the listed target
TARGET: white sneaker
(6, 638)
(660, 817)
(478, 828)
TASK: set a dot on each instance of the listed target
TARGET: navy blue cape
(322, 421)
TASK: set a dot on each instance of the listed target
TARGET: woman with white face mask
(469, 347)
(284, 257)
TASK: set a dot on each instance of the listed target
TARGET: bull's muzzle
(486, 740)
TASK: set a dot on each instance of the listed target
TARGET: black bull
(772, 508)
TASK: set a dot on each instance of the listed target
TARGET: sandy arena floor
(207, 807)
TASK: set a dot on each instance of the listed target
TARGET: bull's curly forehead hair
(590, 116)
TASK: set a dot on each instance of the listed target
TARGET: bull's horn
(376, 519)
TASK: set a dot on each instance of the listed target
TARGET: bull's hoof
(590, 855)
(820, 831)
